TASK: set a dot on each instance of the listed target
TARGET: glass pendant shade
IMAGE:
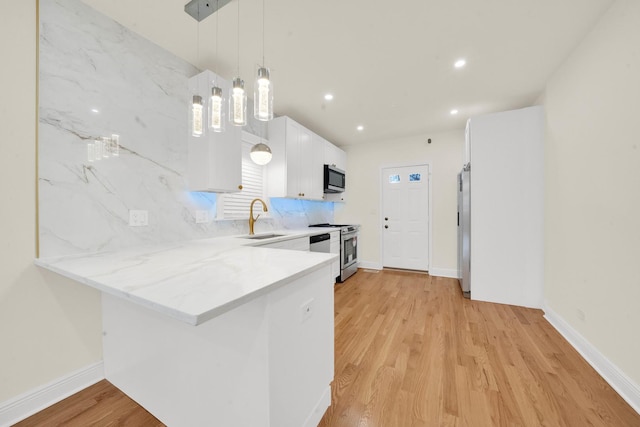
(260, 154)
(263, 96)
(216, 107)
(238, 103)
(196, 116)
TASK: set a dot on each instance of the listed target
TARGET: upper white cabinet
(296, 169)
(214, 159)
(334, 156)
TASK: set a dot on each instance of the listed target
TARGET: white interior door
(405, 217)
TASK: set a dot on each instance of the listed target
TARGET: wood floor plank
(410, 351)
(457, 362)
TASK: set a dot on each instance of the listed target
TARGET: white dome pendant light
(238, 96)
(216, 102)
(263, 89)
(261, 153)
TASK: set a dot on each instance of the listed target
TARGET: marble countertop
(193, 281)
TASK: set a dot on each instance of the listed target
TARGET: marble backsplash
(97, 79)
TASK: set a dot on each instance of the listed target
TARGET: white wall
(592, 186)
(363, 192)
(49, 326)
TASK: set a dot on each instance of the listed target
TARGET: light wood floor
(411, 352)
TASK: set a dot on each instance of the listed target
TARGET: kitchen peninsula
(214, 331)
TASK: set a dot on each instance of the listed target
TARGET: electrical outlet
(306, 310)
(202, 217)
(138, 218)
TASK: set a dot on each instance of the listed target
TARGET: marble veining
(97, 79)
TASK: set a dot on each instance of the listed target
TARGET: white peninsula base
(265, 363)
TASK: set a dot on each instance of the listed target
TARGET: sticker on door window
(415, 177)
(394, 179)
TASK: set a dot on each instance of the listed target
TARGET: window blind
(236, 205)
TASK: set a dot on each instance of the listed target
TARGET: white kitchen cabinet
(296, 169)
(297, 244)
(334, 156)
(214, 159)
(507, 207)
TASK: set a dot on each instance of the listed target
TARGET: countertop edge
(189, 318)
(217, 311)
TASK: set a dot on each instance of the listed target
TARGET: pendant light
(238, 96)
(216, 102)
(263, 89)
(196, 113)
(196, 116)
(261, 153)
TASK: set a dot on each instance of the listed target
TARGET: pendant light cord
(238, 38)
(215, 60)
(263, 13)
(198, 40)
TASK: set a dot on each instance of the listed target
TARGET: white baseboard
(321, 407)
(370, 265)
(444, 272)
(621, 383)
(33, 401)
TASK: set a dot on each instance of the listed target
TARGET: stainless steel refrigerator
(464, 230)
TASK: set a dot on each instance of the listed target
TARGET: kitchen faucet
(253, 220)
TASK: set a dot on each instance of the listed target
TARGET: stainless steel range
(348, 248)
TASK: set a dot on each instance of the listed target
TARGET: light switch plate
(138, 218)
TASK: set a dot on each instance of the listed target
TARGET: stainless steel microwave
(334, 179)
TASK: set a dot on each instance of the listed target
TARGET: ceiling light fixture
(460, 63)
(196, 103)
(261, 153)
(216, 102)
(454, 112)
(238, 96)
(196, 116)
(328, 97)
(262, 88)
(360, 128)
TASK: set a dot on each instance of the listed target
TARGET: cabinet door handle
(240, 187)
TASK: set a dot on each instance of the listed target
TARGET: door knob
(386, 226)
(386, 219)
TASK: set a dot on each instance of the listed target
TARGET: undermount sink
(263, 236)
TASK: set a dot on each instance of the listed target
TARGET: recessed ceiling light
(328, 97)
(360, 128)
(454, 112)
(460, 63)
(95, 110)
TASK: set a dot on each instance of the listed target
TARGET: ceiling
(388, 65)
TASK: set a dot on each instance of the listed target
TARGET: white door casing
(405, 217)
